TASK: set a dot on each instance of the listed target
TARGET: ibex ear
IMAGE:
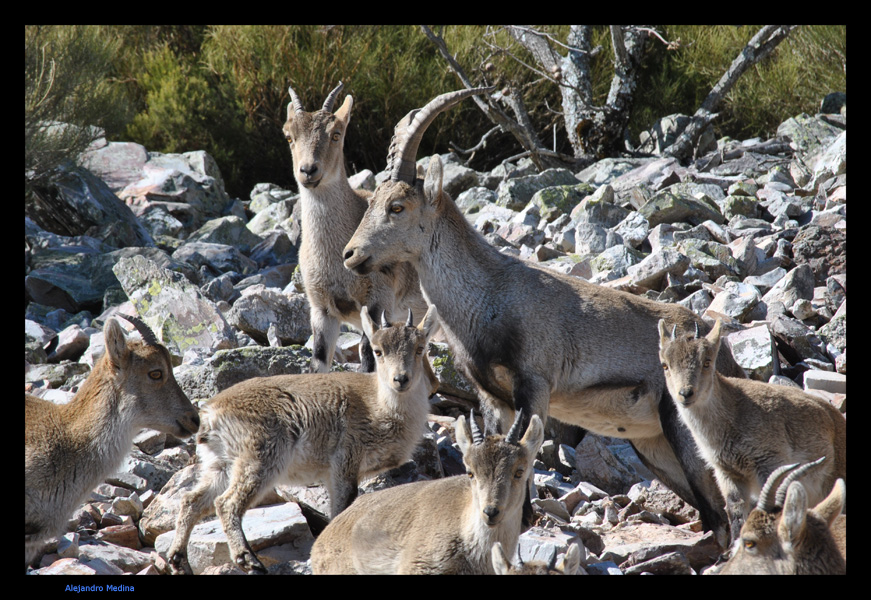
(432, 185)
(369, 327)
(430, 323)
(794, 513)
(464, 435)
(501, 564)
(831, 507)
(290, 112)
(116, 343)
(344, 112)
(571, 562)
(664, 335)
(714, 335)
(534, 435)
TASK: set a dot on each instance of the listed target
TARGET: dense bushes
(223, 89)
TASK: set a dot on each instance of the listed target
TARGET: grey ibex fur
(70, 448)
(330, 212)
(444, 526)
(568, 564)
(746, 429)
(783, 536)
(530, 338)
(336, 428)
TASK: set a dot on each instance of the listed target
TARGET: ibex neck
(331, 212)
(478, 538)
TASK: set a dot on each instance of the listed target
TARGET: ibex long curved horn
(410, 321)
(477, 437)
(294, 99)
(780, 496)
(402, 156)
(514, 433)
(331, 98)
(697, 330)
(144, 330)
(766, 495)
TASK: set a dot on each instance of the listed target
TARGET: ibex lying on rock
(782, 537)
(336, 428)
(330, 212)
(444, 526)
(746, 429)
(568, 564)
(527, 337)
(70, 448)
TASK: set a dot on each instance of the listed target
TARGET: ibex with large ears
(70, 448)
(782, 537)
(330, 212)
(439, 527)
(746, 429)
(336, 428)
(530, 338)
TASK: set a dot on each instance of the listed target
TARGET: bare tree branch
(760, 46)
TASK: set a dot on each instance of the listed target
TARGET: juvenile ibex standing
(70, 448)
(330, 212)
(336, 428)
(782, 537)
(439, 527)
(746, 429)
(530, 338)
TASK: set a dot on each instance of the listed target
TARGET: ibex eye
(664, 367)
(518, 474)
(337, 136)
(377, 352)
(749, 544)
(707, 363)
(471, 475)
(155, 375)
(396, 209)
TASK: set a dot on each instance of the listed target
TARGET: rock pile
(753, 232)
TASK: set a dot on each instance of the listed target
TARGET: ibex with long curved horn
(335, 428)
(70, 448)
(530, 338)
(440, 527)
(330, 212)
(746, 429)
(781, 536)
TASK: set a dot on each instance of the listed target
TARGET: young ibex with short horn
(781, 536)
(443, 526)
(335, 428)
(527, 337)
(330, 212)
(746, 429)
(567, 564)
(70, 448)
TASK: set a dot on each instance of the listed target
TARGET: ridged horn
(766, 496)
(384, 322)
(144, 330)
(514, 433)
(697, 329)
(331, 98)
(673, 332)
(477, 436)
(410, 321)
(402, 156)
(780, 496)
(294, 99)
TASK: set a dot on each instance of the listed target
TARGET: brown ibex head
(689, 361)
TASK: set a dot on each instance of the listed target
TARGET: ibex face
(317, 139)
(499, 471)
(398, 223)
(689, 362)
(144, 376)
(789, 539)
(396, 365)
(568, 564)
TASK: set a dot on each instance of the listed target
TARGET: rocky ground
(753, 232)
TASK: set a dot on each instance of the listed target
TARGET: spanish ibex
(443, 526)
(746, 429)
(330, 212)
(527, 337)
(70, 448)
(335, 428)
(782, 537)
(567, 564)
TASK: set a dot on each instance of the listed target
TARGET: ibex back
(530, 338)
(439, 527)
(330, 212)
(70, 448)
(335, 428)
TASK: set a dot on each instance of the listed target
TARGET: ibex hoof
(250, 563)
(178, 564)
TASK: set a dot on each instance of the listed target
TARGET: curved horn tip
(673, 332)
(410, 321)
(514, 433)
(697, 329)
(477, 436)
(144, 330)
(384, 322)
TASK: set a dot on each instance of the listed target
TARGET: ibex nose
(401, 380)
(492, 514)
(308, 169)
(686, 392)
